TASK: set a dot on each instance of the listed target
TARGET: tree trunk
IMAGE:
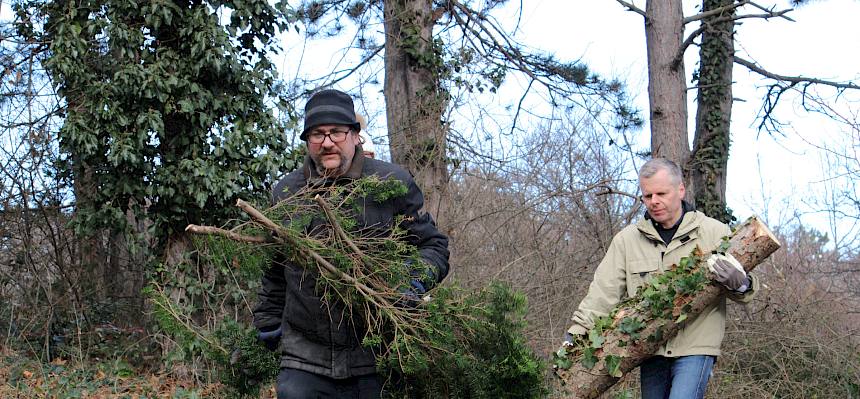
(750, 245)
(707, 165)
(176, 251)
(91, 252)
(667, 90)
(414, 99)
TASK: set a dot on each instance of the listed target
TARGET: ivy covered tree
(168, 110)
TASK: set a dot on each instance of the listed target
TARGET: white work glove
(729, 272)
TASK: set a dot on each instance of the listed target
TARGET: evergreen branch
(165, 304)
(283, 236)
(338, 229)
(434, 347)
(370, 294)
(262, 219)
(211, 230)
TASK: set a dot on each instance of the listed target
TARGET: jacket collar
(354, 172)
(685, 207)
(689, 222)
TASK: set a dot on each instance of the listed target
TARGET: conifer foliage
(451, 343)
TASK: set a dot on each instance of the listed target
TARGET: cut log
(622, 352)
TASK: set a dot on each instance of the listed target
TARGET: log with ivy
(453, 343)
(637, 327)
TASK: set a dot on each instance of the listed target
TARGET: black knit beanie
(329, 107)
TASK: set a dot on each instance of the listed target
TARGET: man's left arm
(422, 232)
(752, 289)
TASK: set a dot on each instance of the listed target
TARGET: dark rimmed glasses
(335, 135)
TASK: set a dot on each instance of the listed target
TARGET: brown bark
(414, 100)
(667, 89)
(750, 245)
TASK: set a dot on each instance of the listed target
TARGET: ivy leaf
(613, 365)
(561, 360)
(656, 335)
(681, 318)
(589, 359)
(724, 246)
(602, 324)
(630, 325)
(596, 339)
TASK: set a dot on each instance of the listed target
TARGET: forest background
(121, 123)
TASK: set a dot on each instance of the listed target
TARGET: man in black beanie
(321, 351)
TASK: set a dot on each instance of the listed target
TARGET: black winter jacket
(322, 340)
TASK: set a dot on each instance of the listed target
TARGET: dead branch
(783, 84)
(794, 79)
(631, 7)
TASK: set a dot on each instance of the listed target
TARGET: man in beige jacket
(670, 230)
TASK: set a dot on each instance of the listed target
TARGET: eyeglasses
(336, 136)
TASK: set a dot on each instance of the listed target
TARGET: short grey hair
(657, 164)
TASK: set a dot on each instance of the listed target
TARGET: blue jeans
(684, 377)
(298, 384)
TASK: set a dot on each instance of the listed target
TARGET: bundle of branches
(452, 344)
(638, 326)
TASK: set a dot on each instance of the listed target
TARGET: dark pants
(297, 384)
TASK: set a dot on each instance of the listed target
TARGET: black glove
(411, 295)
(270, 337)
(421, 278)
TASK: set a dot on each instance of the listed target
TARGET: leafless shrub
(541, 223)
(798, 339)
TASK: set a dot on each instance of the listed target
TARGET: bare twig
(794, 79)
(769, 10)
(716, 11)
(631, 7)
(679, 56)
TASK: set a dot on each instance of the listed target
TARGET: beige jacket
(638, 252)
